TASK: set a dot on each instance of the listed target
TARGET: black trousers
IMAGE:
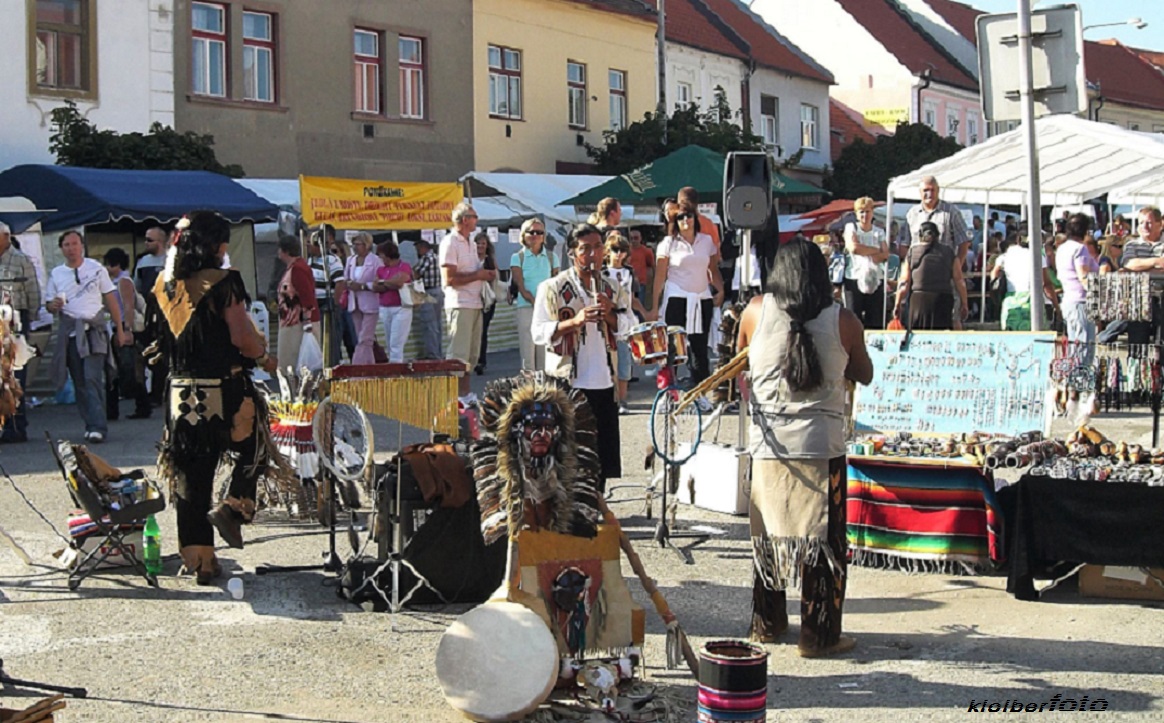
(869, 308)
(486, 317)
(194, 492)
(697, 360)
(609, 440)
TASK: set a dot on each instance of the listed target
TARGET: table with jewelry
(1073, 512)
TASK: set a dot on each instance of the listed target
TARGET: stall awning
(1147, 191)
(83, 196)
(1079, 160)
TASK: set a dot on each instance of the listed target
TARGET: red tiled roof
(1155, 57)
(846, 128)
(959, 16)
(1122, 75)
(768, 48)
(912, 47)
(690, 23)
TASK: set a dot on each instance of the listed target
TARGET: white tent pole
(1034, 214)
(983, 251)
(892, 249)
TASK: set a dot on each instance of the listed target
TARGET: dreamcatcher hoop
(343, 439)
(674, 425)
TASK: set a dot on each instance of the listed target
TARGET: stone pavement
(929, 646)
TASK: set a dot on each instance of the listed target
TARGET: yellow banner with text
(377, 205)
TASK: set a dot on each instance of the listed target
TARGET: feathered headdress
(502, 473)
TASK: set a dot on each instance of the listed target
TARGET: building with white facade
(886, 63)
(115, 59)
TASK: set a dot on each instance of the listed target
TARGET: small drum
(733, 682)
(497, 662)
(648, 342)
(677, 341)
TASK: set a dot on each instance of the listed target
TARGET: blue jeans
(428, 318)
(88, 375)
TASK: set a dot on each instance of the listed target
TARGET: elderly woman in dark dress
(932, 275)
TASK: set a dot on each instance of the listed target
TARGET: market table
(1051, 520)
(914, 513)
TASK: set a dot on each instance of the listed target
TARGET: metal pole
(984, 252)
(745, 295)
(661, 43)
(1034, 205)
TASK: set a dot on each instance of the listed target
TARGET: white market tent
(1145, 191)
(1079, 160)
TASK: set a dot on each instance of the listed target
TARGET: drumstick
(661, 606)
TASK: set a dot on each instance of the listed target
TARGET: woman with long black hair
(802, 347)
(214, 413)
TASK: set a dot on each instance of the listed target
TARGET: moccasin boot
(228, 523)
(200, 561)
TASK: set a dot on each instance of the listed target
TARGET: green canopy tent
(694, 166)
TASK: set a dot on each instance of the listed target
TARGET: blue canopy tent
(112, 204)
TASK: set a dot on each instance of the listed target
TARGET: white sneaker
(97, 437)
(704, 405)
(651, 371)
(623, 409)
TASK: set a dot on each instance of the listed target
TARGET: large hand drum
(648, 342)
(497, 662)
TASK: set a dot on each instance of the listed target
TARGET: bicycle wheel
(674, 435)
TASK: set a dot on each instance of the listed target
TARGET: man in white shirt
(462, 277)
(578, 316)
(76, 291)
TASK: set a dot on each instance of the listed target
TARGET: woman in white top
(864, 286)
(1016, 305)
(686, 272)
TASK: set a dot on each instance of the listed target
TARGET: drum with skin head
(648, 342)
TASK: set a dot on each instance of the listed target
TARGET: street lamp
(1136, 23)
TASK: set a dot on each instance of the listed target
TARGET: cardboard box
(1127, 583)
(116, 558)
(720, 478)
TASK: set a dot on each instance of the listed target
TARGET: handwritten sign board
(377, 206)
(953, 382)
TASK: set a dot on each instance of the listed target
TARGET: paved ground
(928, 645)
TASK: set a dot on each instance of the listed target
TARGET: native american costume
(797, 510)
(523, 485)
(214, 413)
(586, 357)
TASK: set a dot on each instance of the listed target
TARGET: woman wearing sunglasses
(687, 282)
(528, 268)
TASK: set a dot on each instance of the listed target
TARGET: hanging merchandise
(1119, 297)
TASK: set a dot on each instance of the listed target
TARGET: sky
(1104, 11)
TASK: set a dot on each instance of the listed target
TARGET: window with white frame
(504, 82)
(809, 126)
(952, 123)
(208, 52)
(930, 115)
(971, 129)
(682, 94)
(411, 77)
(576, 93)
(259, 56)
(367, 63)
(618, 108)
(770, 120)
(63, 33)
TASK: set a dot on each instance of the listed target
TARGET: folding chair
(113, 521)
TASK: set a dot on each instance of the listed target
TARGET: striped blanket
(921, 518)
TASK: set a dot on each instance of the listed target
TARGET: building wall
(703, 71)
(134, 76)
(791, 92)
(549, 33)
(312, 128)
(1129, 117)
(953, 103)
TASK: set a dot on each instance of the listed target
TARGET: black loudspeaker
(747, 190)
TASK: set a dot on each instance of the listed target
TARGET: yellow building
(551, 75)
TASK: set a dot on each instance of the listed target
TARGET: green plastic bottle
(152, 546)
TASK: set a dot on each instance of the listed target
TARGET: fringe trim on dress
(779, 560)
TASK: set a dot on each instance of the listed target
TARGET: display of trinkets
(1119, 297)
(1093, 457)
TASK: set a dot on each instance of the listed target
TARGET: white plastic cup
(235, 587)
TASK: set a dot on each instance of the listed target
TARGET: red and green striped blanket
(921, 518)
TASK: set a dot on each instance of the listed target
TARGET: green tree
(642, 142)
(77, 142)
(865, 169)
